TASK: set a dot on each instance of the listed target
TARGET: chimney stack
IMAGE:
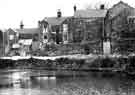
(39, 23)
(59, 14)
(21, 25)
(102, 6)
(75, 8)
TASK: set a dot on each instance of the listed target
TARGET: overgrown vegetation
(125, 64)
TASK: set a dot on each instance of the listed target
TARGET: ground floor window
(65, 36)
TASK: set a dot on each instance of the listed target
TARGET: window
(78, 36)
(45, 37)
(65, 27)
(11, 37)
(65, 35)
(128, 35)
(131, 20)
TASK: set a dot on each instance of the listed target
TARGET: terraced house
(85, 26)
(98, 29)
(52, 28)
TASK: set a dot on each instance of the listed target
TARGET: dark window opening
(45, 37)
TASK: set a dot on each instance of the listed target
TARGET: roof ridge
(55, 20)
(91, 9)
(125, 4)
(90, 13)
(120, 3)
(56, 17)
(26, 28)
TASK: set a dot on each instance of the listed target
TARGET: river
(42, 82)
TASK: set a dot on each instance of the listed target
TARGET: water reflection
(43, 82)
(19, 79)
(29, 82)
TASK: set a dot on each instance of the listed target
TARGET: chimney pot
(39, 23)
(102, 6)
(59, 14)
(21, 25)
(75, 8)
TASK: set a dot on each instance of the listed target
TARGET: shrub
(107, 62)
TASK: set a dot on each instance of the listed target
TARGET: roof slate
(28, 30)
(132, 15)
(11, 31)
(119, 7)
(55, 20)
(90, 13)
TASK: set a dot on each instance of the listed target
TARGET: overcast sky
(30, 11)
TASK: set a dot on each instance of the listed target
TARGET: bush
(94, 64)
(107, 62)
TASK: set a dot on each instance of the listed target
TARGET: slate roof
(121, 4)
(90, 13)
(55, 20)
(28, 30)
(117, 8)
(11, 31)
(132, 15)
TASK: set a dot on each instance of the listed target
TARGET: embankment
(85, 62)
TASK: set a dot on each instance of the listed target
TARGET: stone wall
(88, 29)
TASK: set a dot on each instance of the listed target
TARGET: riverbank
(72, 62)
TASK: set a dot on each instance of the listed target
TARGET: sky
(31, 11)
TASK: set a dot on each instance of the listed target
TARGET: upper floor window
(131, 20)
(65, 27)
(11, 37)
(45, 36)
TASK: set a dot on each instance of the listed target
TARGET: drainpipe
(103, 34)
(3, 44)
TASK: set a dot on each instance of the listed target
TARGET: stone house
(86, 26)
(10, 40)
(51, 28)
(11, 36)
(119, 28)
(90, 23)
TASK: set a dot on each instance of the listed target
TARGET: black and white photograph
(67, 47)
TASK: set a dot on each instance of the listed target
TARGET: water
(42, 82)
